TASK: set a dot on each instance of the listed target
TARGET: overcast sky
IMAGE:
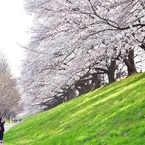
(14, 25)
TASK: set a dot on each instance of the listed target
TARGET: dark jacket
(2, 126)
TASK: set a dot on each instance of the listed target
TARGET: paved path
(7, 127)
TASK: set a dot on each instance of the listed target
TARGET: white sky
(14, 25)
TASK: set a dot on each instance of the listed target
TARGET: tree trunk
(111, 71)
(129, 62)
(96, 81)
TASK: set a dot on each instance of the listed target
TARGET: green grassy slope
(112, 115)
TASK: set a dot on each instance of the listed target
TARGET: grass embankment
(112, 115)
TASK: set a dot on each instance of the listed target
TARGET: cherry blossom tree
(71, 36)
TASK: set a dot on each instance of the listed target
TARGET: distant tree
(9, 95)
(4, 67)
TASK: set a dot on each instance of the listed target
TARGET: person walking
(2, 129)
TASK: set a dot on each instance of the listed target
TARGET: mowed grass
(111, 115)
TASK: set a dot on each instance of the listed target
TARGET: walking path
(7, 127)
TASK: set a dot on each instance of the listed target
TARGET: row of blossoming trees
(9, 95)
(78, 45)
